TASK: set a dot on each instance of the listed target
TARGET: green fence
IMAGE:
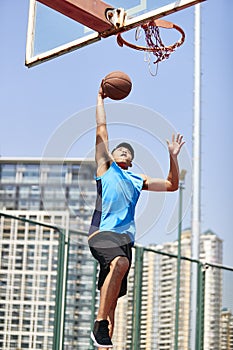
(31, 271)
(48, 296)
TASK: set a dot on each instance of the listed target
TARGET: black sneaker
(100, 334)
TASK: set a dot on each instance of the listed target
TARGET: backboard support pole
(196, 177)
(86, 12)
(151, 15)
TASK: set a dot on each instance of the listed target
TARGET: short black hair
(126, 145)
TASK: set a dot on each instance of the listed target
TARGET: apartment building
(226, 330)
(211, 251)
(48, 185)
(28, 275)
(158, 296)
(60, 193)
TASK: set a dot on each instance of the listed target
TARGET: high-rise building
(226, 330)
(158, 302)
(61, 193)
(211, 251)
(166, 295)
(48, 185)
(28, 275)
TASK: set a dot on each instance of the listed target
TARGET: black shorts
(105, 246)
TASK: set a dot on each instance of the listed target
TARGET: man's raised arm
(102, 154)
(172, 181)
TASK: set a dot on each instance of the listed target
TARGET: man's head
(123, 155)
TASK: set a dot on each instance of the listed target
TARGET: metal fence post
(181, 188)
(65, 283)
(200, 307)
(58, 326)
(93, 300)
(137, 298)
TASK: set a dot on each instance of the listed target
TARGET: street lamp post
(181, 188)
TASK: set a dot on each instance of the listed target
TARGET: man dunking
(112, 230)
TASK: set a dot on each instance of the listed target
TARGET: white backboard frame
(32, 59)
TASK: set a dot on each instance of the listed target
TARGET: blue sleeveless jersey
(118, 191)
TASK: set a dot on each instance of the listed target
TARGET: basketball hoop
(154, 43)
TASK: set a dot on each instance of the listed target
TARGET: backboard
(61, 26)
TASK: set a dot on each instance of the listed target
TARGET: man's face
(123, 157)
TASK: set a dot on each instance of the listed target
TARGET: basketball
(116, 85)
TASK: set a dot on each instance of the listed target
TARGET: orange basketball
(116, 85)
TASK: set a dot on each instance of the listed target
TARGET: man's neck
(122, 165)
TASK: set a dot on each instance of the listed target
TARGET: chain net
(154, 42)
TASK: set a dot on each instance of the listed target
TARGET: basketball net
(154, 43)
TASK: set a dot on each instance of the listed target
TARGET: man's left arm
(172, 182)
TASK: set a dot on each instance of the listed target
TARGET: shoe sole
(99, 345)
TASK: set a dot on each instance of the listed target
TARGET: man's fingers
(176, 138)
(182, 143)
(179, 138)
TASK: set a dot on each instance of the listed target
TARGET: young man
(112, 230)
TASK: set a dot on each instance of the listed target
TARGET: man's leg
(111, 318)
(112, 285)
(111, 321)
(108, 299)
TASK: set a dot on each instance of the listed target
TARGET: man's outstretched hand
(175, 145)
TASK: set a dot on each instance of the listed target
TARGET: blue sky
(38, 102)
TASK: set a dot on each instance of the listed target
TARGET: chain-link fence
(28, 283)
(49, 300)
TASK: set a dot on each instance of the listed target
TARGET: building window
(8, 173)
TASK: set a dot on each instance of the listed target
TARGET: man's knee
(120, 264)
